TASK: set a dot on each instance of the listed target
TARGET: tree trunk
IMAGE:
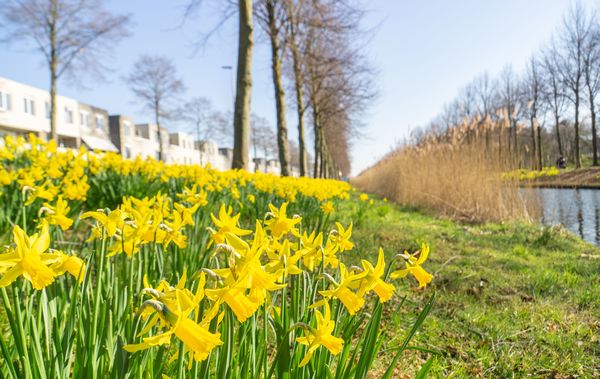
(557, 128)
(300, 105)
(576, 141)
(317, 138)
(539, 145)
(516, 141)
(53, 70)
(282, 135)
(534, 166)
(241, 119)
(158, 133)
(594, 137)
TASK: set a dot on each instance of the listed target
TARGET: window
(158, 155)
(99, 122)
(8, 102)
(126, 129)
(47, 104)
(68, 115)
(127, 152)
(29, 106)
(83, 118)
(5, 101)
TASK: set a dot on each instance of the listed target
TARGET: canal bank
(586, 178)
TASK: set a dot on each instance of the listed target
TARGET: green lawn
(512, 300)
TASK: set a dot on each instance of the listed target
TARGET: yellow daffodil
(311, 249)
(30, 258)
(341, 237)
(187, 214)
(372, 280)
(282, 261)
(111, 222)
(194, 195)
(173, 305)
(226, 224)
(351, 300)
(57, 214)
(46, 191)
(237, 300)
(279, 224)
(320, 336)
(327, 207)
(413, 266)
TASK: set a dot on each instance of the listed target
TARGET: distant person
(561, 162)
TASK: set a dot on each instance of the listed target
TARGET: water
(577, 209)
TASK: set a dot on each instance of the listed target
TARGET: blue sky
(423, 50)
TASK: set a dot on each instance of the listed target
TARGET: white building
(25, 109)
(182, 149)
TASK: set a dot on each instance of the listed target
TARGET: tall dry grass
(457, 175)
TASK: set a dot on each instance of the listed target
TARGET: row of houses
(25, 109)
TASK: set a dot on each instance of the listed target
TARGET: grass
(513, 299)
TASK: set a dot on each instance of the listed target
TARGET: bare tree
(532, 93)
(485, 92)
(197, 114)
(296, 15)
(220, 126)
(154, 81)
(72, 35)
(241, 118)
(272, 16)
(591, 78)
(338, 82)
(555, 97)
(571, 62)
(508, 97)
(263, 139)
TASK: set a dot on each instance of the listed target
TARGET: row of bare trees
(317, 66)
(547, 111)
(314, 49)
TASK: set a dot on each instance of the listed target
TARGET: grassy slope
(513, 300)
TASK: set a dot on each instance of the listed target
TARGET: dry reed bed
(462, 182)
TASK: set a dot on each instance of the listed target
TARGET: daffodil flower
(30, 258)
(226, 224)
(173, 307)
(282, 261)
(279, 224)
(57, 214)
(413, 266)
(341, 237)
(111, 222)
(321, 336)
(351, 300)
(311, 249)
(327, 207)
(372, 280)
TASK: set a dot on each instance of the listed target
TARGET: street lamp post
(230, 68)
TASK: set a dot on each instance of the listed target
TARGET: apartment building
(141, 140)
(182, 149)
(25, 109)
